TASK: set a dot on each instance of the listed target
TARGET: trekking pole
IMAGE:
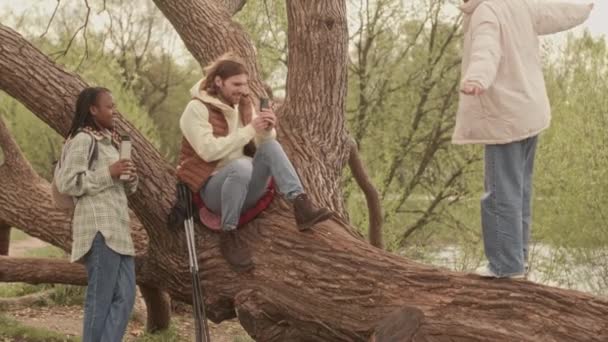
(198, 288)
(201, 329)
(198, 301)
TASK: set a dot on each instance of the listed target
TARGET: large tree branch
(372, 198)
(41, 271)
(313, 125)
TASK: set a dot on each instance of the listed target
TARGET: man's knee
(270, 146)
(241, 170)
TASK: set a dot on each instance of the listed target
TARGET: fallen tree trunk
(41, 271)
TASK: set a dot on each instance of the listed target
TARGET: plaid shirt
(102, 201)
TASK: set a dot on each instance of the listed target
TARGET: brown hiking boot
(307, 215)
(235, 251)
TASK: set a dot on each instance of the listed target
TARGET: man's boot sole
(242, 268)
(307, 225)
(239, 267)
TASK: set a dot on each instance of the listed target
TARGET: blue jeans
(110, 293)
(506, 205)
(241, 183)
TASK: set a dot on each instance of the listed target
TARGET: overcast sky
(597, 24)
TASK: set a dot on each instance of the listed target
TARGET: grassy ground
(13, 330)
(17, 235)
(60, 317)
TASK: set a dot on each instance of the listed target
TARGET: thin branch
(103, 8)
(86, 44)
(51, 20)
(270, 25)
(430, 211)
(140, 57)
(436, 141)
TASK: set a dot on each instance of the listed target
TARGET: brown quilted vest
(192, 169)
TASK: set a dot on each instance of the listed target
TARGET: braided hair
(82, 116)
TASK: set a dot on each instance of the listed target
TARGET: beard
(231, 98)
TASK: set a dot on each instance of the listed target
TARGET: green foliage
(18, 235)
(266, 23)
(402, 97)
(46, 252)
(572, 164)
(39, 143)
(68, 295)
(65, 295)
(96, 65)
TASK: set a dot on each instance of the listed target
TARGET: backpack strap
(93, 151)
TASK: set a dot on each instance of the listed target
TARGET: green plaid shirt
(102, 201)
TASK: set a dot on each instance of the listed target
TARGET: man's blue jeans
(241, 183)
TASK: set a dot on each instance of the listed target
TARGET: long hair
(226, 66)
(82, 114)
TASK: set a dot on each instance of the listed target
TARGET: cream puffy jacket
(501, 54)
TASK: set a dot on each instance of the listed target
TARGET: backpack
(63, 201)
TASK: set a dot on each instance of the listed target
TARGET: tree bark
(40, 270)
(323, 285)
(5, 238)
(158, 308)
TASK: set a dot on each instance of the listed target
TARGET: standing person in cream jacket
(504, 106)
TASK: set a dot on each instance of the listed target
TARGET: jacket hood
(196, 91)
(470, 6)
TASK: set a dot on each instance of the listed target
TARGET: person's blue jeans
(110, 293)
(241, 183)
(506, 205)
